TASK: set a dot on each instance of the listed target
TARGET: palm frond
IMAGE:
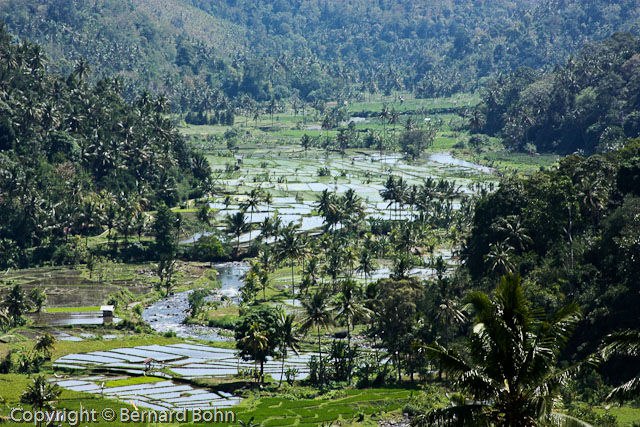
(468, 415)
(625, 343)
(447, 360)
(626, 391)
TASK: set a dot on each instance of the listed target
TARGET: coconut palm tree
(236, 225)
(289, 248)
(256, 342)
(311, 268)
(509, 367)
(251, 204)
(41, 394)
(499, 258)
(268, 199)
(16, 303)
(593, 195)
(306, 143)
(249, 423)
(394, 119)
(287, 337)
(349, 308)
(38, 297)
(476, 121)
(352, 208)
(5, 319)
(517, 234)
(317, 314)
(384, 116)
(625, 343)
(203, 215)
(366, 263)
(45, 343)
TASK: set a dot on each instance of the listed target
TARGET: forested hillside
(589, 104)
(76, 158)
(573, 233)
(197, 50)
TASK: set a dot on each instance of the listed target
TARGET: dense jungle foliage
(573, 234)
(203, 53)
(588, 105)
(73, 154)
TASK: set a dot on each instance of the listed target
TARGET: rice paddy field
(158, 362)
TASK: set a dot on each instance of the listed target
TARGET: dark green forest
(75, 156)
(572, 233)
(589, 104)
(204, 53)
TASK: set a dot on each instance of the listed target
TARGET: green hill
(202, 53)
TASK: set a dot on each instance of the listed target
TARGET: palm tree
(203, 215)
(256, 342)
(317, 314)
(517, 235)
(384, 116)
(306, 143)
(249, 423)
(476, 122)
(268, 199)
(5, 319)
(45, 343)
(388, 192)
(289, 247)
(349, 308)
(236, 225)
(510, 365)
(625, 343)
(287, 337)
(592, 194)
(81, 70)
(366, 263)
(394, 118)
(499, 258)
(255, 197)
(40, 394)
(352, 208)
(16, 303)
(38, 297)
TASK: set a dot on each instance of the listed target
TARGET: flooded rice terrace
(296, 192)
(296, 185)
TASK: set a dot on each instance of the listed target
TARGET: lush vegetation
(203, 52)
(588, 105)
(78, 160)
(456, 293)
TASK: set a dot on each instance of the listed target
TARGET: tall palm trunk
(321, 373)
(349, 347)
(284, 356)
(293, 284)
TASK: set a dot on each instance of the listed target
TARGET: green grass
(71, 309)
(520, 162)
(626, 415)
(12, 386)
(345, 408)
(133, 381)
(62, 348)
